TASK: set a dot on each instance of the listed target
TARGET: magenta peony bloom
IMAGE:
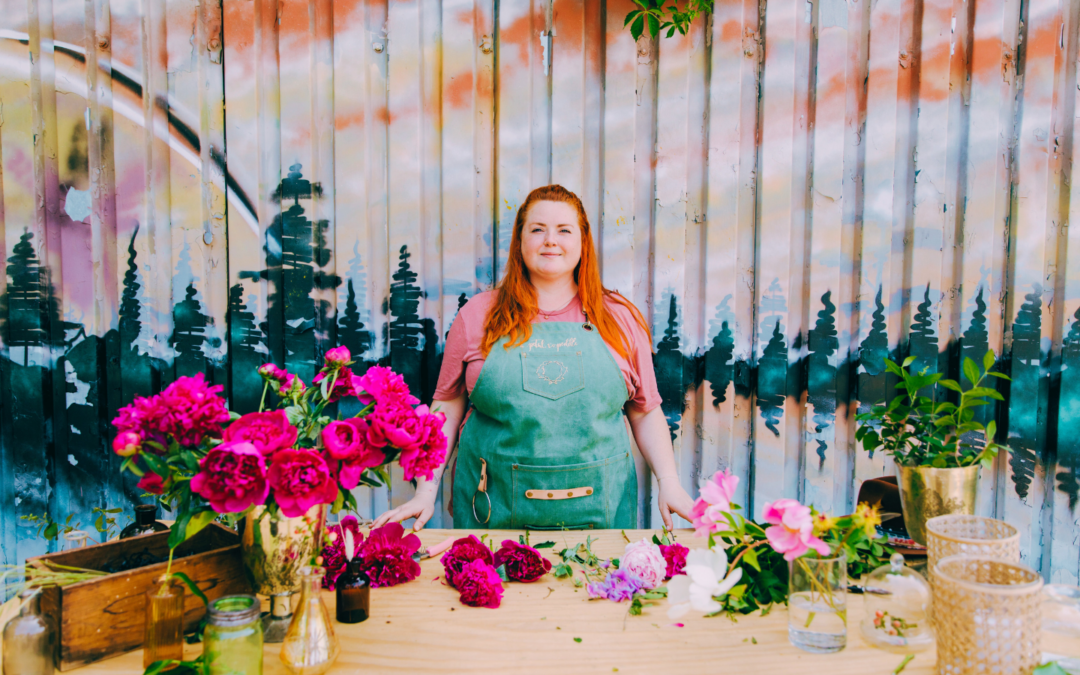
(480, 585)
(340, 439)
(301, 479)
(291, 385)
(617, 586)
(344, 385)
(127, 443)
(363, 456)
(424, 460)
(144, 417)
(792, 531)
(269, 371)
(382, 384)
(462, 552)
(387, 556)
(337, 357)
(645, 561)
(194, 410)
(232, 477)
(675, 556)
(714, 502)
(267, 431)
(334, 558)
(521, 562)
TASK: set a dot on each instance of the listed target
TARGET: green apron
(546, 446)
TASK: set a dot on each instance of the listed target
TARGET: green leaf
(579, 639)
(751, 559)
(988, 359)
(197, 522)
(971, 371)
(1051, 668)
(295, 414)
(908, 361)
(950, 384)
(637, 27)
(177, 533)
(501, 570)
(193, 587)
(654, 26)
(633, 14)
(156, 465)
(52, 530)
(1001, 376)
(545, 544)
(562, 571)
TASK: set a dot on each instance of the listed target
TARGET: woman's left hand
(673, 499)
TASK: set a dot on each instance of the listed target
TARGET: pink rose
(480, 585)
(340, 439)
(232, 477)
(792, 531)
(462, 552)
(675, 555)
(644, 560)
(301, 479)
(127, 443)
(715, 500)
(424, 460)
(383, 384)
(337, 357)
(522, 563)
(267, 431)
(362, 456)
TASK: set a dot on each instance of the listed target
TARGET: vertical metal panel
(900, 186)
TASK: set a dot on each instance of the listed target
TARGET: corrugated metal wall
(792, 192)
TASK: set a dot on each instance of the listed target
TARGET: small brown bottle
(353, 594)
(145, 522)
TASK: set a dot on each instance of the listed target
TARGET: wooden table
(421, 627)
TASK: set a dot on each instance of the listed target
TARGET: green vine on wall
(660, 17)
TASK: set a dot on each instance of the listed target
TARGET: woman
(550, 362)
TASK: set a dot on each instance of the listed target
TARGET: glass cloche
(897, 603)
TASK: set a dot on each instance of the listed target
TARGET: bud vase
(274, 549)
(310, 646)
(817, 604)
(164, 637)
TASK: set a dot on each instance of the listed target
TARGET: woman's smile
(551, 240)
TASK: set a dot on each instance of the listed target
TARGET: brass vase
(926, 493)
(274, 550)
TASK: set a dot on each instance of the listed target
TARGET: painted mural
(792, 193)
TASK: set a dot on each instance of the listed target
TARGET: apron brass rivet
(550, 495)
(529, 493)
(588, 492)
(569, 494)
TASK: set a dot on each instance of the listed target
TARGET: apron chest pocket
(552, 375)
(568, 496)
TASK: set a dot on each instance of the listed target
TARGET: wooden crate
(105, 617)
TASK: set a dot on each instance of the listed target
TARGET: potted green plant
(938, 445)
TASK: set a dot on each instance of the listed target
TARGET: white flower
(703, 582)
(645, 560)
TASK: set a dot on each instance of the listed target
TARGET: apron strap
(482, 489)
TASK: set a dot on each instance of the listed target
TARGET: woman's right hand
(421, 507)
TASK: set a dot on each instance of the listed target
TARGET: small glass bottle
(29, 639)
(75, 539)
(164, 637)
(353, 594)
(233, 639)
(310, 646)
(145, 522)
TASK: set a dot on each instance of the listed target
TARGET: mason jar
(233, 639)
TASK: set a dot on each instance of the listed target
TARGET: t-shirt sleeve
(452, 375)
(645, 395)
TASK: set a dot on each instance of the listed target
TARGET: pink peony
(291, 385)
(301, 479)
(337, 357)
(383, 384)
(522, 563)
(462, 552)
(792, 531)
(232, 477)
(152, 483)
(345, 383)
(387, 556)
(143, 417)
(269, 371)
(480, 585)
(340, 439)
(333, 553)
(715, 500)
(425, 459)
(127, 443)
(675, 556)
(194, 410)
(267, 431)
(644, 560)
(362, 456)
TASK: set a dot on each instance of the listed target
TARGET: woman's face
(551, 240)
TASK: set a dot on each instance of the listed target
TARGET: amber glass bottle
(145, 522)
(353, 594)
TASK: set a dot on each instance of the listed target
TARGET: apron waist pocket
(582, 496)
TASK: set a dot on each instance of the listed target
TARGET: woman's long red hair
(516, 305)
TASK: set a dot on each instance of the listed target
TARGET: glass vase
(233, 639)
(29, 639)
(310, 646)
(164, 637)
(817, 604)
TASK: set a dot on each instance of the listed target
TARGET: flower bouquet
(205, 462)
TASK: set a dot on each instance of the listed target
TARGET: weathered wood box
(106, 617)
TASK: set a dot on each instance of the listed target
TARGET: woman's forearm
(455, 412)
(654, 440)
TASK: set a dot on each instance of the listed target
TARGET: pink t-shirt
(462, 360)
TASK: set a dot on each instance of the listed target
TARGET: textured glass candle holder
(817, 604)
(988, 616)
(970, 535)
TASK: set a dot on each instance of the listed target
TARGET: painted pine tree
(189, 334)
(1024, 410)
(136, 368)
(247, 353)
(922, 340)
(29, 304)
(821, 374)
(351, 330)
(772, 379)
(674, 372)
(1068, 432)
(719, 364)
(413, 340)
